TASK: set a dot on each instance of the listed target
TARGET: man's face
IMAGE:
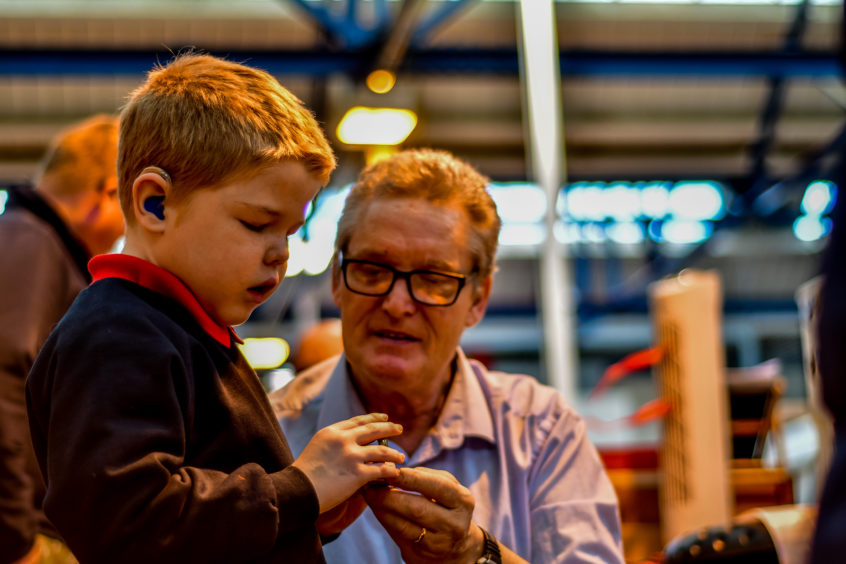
(107, 223)
(230, 244)
(393, 340)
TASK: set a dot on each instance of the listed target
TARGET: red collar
(159, 280)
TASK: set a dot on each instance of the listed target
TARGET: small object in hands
(420, 536)
(381, 483)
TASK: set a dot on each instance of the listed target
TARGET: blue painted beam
(87, 62)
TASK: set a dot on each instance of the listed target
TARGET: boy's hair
(80, 158)
(435, 176)
(206, 120)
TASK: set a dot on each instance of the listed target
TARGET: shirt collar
(159, 280)
(465, 413)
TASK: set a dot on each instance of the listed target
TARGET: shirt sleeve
(111, 407)
(574, 510)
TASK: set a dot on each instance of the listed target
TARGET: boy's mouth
(263, 291)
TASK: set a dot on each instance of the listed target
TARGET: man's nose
(399, 301)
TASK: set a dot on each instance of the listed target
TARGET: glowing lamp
(376, 126)
(264, 353)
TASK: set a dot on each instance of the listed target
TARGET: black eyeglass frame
(406, 274)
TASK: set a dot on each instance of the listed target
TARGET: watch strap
(490, 553)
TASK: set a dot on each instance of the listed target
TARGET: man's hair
(434, 176)
(206, 120)
(80, 158)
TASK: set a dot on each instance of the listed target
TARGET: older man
(499, 468)
(49, 233)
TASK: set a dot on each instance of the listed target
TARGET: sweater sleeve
(111, 419)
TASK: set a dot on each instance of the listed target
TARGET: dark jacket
(42, 269)
(158, 442)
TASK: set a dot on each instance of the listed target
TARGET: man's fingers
(436, 485)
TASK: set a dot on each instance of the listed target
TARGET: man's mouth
(395, 336)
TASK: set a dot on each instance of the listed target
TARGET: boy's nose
(278, 253)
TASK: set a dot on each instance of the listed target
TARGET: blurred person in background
(499, 467)
(49, 232)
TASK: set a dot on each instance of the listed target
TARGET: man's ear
(149, 192)
(337, 283)
(480, 302)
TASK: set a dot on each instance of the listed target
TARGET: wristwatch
(490, 554)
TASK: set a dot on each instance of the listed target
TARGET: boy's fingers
(360, 420)
(377, 453)
(372, 431)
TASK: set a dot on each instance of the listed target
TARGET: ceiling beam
(311, 62)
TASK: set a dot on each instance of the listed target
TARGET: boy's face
(230, 244)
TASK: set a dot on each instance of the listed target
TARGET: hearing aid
(155, 204)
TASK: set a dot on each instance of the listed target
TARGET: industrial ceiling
(745, 93)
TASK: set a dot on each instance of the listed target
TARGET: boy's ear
(149, 192)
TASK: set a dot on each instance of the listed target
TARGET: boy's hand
(338, 459)
(341, 516)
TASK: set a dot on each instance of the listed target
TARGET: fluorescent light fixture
(376, 126)
(522, 234)
(696, 200)
(518, 202)
(266, 352)
(626, 233)
(685, 232)
(819, 197)
(811, 227)
(655, 200)
(567, 232)
(593, 233)
(585, 201)
(296, 255)
(622, 201)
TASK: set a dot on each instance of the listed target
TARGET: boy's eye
(257, 227)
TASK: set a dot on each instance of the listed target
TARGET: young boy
(155, 438)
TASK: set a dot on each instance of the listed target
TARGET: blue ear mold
(155, 205)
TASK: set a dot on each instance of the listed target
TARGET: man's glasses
(424, 286)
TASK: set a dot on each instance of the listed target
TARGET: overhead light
(696, 200)
(811, 227)
(381, 81)
(819, 197)
(376, 126)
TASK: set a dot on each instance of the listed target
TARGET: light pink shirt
(539, 485)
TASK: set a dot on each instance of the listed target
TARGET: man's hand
(443, 509)
(339, 459)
